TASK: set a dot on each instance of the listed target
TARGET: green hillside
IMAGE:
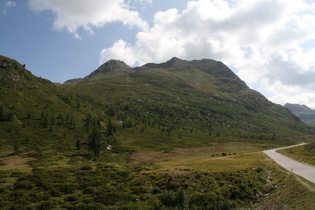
(34, 112)
(200, 100)
(156, 106)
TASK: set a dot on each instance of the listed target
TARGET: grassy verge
(305, 153)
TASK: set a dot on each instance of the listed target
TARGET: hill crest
(215, 71)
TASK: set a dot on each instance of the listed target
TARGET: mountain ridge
(214, 68)
(306, 114)
(176, 92)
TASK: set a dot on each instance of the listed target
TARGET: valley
(176, 135)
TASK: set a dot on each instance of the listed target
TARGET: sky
(269, 44)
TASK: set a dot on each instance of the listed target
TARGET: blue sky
(270, 44)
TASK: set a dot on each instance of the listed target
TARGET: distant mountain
(305, 113)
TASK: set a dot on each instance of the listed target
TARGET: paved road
(305, 171)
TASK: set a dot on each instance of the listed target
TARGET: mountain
(181, 97)
(143, 138)
(153, 107)
(306, 114)
(34, 112)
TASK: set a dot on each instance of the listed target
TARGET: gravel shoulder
(301, 169)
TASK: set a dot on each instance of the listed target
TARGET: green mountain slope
(34, 112)
(181, 97)
(153, 107)
(305, 113)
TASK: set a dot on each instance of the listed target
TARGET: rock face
(306, 114)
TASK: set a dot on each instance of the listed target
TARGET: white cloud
(261, 39)
(75, 14)
(142, 1)
(8, 5)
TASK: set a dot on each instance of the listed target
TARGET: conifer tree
(96, 142)
(78, 144)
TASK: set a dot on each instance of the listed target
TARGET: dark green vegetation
(68, 181)
(305, 153)
(305, 113)
(82, 138)
(108, 186)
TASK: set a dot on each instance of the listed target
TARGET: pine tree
(47, 122)
(78, 144)
(96, 142)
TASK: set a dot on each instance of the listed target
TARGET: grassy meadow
(304, 153)
(184, 178)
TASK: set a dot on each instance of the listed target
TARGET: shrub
(66, 188)
(94, 206)
(86, 168)
(174, 199)
(46, 205)
(24, 184)
(71, 198)
(89, 190)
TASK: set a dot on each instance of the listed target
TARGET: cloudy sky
(270, 44)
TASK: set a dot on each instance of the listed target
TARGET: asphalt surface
(301, 169)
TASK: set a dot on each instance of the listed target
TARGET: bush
(46, 205)
(86, 168)
(94, 206)
(66, 188)
(71, 198)
(174, 199)
(89, 190)
(24, 184)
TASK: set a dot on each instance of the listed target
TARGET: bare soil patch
(16, 161)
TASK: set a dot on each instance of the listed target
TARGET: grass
(285, 190)
(18, 162)
(288, 193)
(214, 164)
(202, 157)
(305, 153)
(145, 180)
(165, 125)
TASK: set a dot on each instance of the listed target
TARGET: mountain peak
(168, 64)
(174, 62)
(113, 65)
(110, 67)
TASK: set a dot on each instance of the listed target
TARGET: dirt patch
(16, 161)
